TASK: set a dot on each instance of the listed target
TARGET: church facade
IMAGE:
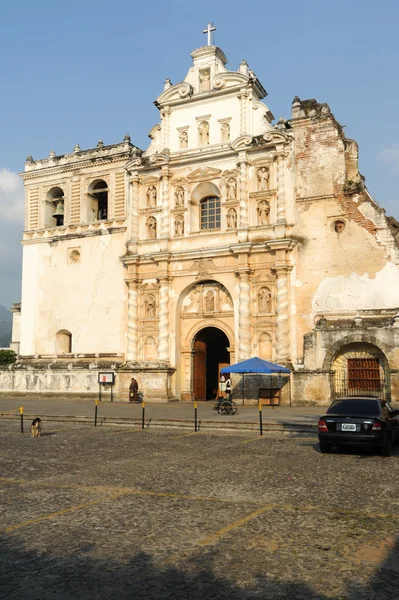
(228, 237)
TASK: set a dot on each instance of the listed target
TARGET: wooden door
(200, 370)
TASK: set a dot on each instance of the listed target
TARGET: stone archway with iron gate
(359, 369)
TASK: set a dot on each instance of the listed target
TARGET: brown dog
(36, 427)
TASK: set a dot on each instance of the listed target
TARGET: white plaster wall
(358, 292)
(221, 108)
(88, 298)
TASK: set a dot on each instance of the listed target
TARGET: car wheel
(386, 448)
(325, 448)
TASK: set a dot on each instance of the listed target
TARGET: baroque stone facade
(228, 237)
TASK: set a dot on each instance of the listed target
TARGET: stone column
(132, 321)
(164, 333)
(165, 230)
(134, 212)
(282, 314)
(280, 180)
(243, 195)
(165, 115)
(243, 106)
(244, 316)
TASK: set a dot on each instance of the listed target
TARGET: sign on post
(106, 379)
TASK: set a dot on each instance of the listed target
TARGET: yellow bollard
(21, 411)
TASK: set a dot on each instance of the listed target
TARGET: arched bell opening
(54, 208)
(211, 353)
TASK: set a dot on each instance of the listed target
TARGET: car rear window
(368, 408)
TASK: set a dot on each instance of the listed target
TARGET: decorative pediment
(204, 173)
(229, 79)
(158, 159)
(179, 181)
(175, 92)
(134, 163)
(150, 180)
(241, 143)
(275, 137)
(230, 173)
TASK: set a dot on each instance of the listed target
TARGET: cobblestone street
(123, 513)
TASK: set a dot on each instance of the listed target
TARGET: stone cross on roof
(209, 30)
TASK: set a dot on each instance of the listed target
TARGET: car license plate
(348, 426)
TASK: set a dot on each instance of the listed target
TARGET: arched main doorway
(211, 353)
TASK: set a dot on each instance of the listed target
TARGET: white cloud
(11, 197)
(391, 157)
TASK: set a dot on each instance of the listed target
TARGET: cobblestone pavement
(125, 513)
(302, 415)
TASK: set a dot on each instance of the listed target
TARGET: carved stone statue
(150, 306)
(183, 138)
(264, 304)
(203, 133)
(179, 225)
(225, 132)
(232, 219)
(151, 196)
(231, 189)
(179, 196)
(263, 212)
(263, 179)
(151, 228)
(205, 81)
(209, 302)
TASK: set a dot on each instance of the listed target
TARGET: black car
(359, 422)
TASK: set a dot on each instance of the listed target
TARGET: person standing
(133, 391)
(228, 388)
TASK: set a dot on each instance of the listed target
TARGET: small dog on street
(36, 427)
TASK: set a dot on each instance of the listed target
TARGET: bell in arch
(59, 212)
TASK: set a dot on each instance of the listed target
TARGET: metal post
(142, 415)
(260, 420)
(195, 417)
(95, 414)
(21, 410)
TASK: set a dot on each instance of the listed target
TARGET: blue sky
(79, 71)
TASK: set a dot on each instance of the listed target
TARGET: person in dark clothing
(133, 391)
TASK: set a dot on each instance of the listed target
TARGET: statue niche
(264, 300)
(210, 302)
(203, 131)
(204, 80)
(263, 178)
(179, 196)
(151, 225)
(232, 219)
(183, 139)
(151, 196)
(225, 130)
(263, 210)
(231, 189)
(150, 307)
(179, 225)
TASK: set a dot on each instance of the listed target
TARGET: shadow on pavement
(27, 574)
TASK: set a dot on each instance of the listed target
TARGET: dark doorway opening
(210, 356)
